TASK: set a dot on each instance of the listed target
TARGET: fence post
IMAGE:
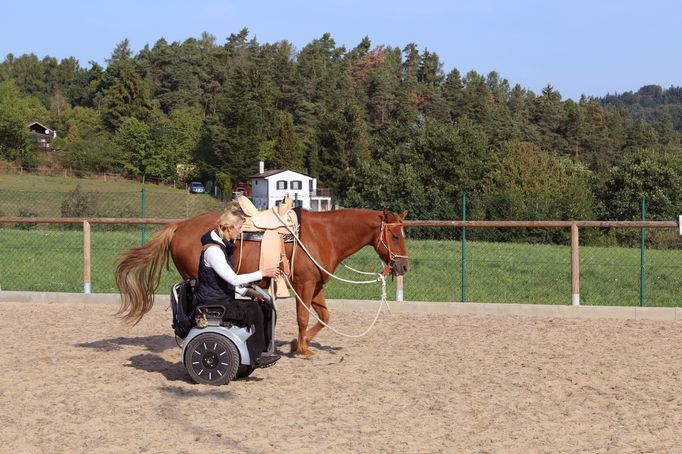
(575, 266)
(86, 257)
(641, 260)
(464, 249)
(399, 288)
(142, 216)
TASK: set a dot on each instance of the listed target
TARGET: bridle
(384, 240)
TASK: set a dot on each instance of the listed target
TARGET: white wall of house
(267, 190)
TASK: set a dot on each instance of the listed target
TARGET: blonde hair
(232, 216)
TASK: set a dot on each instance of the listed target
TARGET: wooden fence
(574, 227)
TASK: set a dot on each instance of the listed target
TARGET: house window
(296, 184)
(281, 184)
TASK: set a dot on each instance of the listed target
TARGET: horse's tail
(138, 274)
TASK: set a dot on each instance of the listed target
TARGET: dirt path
(74, 380)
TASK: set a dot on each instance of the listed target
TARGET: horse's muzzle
(400, 266)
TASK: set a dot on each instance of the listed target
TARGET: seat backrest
(182, 304)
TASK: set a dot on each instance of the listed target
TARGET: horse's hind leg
(320, 305)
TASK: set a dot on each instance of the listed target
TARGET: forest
(378, 125)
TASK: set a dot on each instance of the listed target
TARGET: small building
(268, 188)
(42, 135)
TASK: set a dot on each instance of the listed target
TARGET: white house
(268, 188)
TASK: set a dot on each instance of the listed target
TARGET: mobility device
(214, 349)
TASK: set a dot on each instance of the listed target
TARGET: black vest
(211, 287)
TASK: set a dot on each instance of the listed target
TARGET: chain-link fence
(89, 203)
(500, 265)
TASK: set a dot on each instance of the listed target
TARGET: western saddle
(273, 228)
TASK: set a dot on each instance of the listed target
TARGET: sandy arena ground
(74, 380)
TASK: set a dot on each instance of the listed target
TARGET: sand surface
(74, 380)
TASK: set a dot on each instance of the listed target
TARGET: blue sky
(590, 47)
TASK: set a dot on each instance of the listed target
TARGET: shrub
(79, 204)
(24, 213)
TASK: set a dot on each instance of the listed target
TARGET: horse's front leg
(320, 305)
(305, 292)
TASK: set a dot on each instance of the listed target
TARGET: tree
(451, 158)
(343, 147)
(15, 114)
(134, 141)
(548, 116)
(644, 172)
(128, 96)
(528, 183)
(287, 152)
(85, 145)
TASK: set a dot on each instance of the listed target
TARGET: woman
(217, 283)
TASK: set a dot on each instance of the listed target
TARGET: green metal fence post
(464, 249)
(641, 266)
(142, 216)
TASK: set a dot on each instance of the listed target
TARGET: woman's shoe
(267, 360)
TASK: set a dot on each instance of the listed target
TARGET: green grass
(43, 196)
(51, 260)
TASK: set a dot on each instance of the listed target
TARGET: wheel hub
(210, 360)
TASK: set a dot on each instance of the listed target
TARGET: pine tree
(287, 152)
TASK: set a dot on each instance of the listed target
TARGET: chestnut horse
(329, 236)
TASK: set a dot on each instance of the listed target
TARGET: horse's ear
(403, 215)
(386, 213)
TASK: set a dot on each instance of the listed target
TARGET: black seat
(218, 312)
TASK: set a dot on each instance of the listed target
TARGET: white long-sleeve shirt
(215, 258)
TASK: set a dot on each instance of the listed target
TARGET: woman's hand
(271, 272)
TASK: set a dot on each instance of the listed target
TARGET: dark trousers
(260, 315)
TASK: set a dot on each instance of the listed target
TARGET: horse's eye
(395, 237)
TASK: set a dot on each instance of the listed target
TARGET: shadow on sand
(154, 344)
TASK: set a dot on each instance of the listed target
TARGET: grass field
(43, 196)
(51, 260)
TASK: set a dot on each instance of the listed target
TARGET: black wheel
(244, 371)
(211, 359)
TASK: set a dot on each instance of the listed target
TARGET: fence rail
(545, 224)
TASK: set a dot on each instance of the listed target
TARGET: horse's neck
(349, 232)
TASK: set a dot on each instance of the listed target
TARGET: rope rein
(298, 241)
(380, 278)
(382, 303)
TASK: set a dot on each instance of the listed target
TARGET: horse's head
(390, 244)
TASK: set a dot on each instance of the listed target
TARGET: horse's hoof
(306, 352)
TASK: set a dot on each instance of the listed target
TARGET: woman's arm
(215, 258)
